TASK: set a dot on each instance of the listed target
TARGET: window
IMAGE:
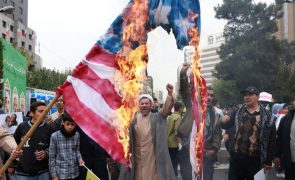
(5, 1)
(30, 36)
(11, 40)
(20, 10)
(23, 44)
(4, 24)
(23, 32)
(20, 20)
(12, 3)
(3, 36)
(30, 47)
(22, 1)
(11, 28)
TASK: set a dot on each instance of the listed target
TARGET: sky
(67, 29)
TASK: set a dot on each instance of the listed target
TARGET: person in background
(285, 147)
(64, 151)
(282, 110)
(266, 100)
(212, 133)
(155, 106)
(148, 142)
(213, 136)
(8, 145)
(94, 156)
(33, 165)
(173, 142)
(1, 108)
(254, 137)
(60, 110)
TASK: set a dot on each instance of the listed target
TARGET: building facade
(14, 29)
(159, 95)
(286, 24)
(148, 85)
(210, 58)
(20, 13)
(15, 32)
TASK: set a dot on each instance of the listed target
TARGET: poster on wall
(10, 121)
(45, 96)
(22, 102)
(15, 100)
(14, 77)
(7, 96)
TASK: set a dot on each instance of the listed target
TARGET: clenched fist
(169, 89)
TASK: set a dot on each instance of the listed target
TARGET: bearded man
(150, 158)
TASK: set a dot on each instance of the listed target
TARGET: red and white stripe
(91, 99)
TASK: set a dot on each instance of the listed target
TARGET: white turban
(146, 96)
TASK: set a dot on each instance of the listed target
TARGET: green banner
(14, 79)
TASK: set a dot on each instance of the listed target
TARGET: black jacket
(89, 148)
(283, 139)
(28, 165)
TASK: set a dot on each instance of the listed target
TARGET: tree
(251, 54)
(226, 92)
(46, 79)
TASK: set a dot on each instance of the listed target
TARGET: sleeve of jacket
(17, 134)
(168, 105)
(271, 145)
(217, 137)
(176, 125)
(228, 125)
(7, 142)
(279, 139)
(184, 90)
(52, 155)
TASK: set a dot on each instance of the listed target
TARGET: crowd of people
(255, 135)
(58, 149)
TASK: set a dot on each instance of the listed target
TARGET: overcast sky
(67, 29)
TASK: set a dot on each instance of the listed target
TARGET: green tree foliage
(251, 54)
(46, 79)
(226, 92)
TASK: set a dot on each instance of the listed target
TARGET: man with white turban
(150, 158)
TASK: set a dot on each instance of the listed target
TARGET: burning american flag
(101, 94)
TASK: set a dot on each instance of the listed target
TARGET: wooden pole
(29, 133)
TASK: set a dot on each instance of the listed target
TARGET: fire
(132, 64)
(200, 96)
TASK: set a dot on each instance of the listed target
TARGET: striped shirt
(64, 155)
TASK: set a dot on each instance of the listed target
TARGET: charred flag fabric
(90, 93)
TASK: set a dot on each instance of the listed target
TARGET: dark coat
(283, 139)
(163, 161)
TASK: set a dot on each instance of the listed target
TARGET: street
(221, 173)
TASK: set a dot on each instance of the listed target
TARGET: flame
(132, 64)
(200, 96)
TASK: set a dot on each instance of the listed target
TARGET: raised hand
(169, 89)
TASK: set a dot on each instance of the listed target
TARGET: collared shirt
(64, 156)
(292, 140)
